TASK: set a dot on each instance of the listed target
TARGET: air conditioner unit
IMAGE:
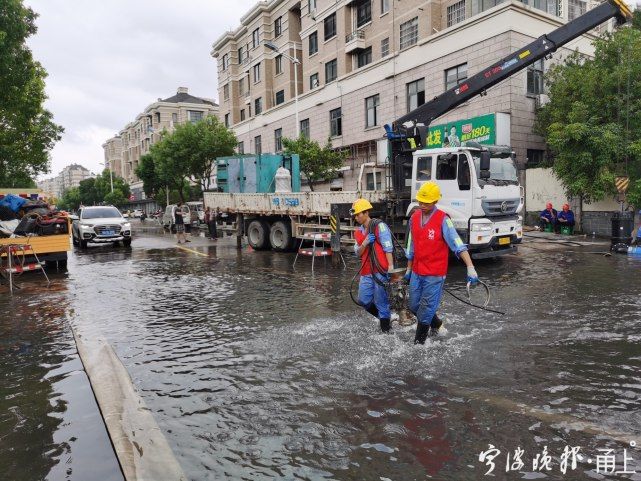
(312, 14)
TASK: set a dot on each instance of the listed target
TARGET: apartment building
(138, 136)
(113, 155)
(69, 177)
(363, 63)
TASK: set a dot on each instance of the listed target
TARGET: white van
(169, 217)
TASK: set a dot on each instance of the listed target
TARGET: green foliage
(593, 120)
(146, 171)
(96, 191)
(70, 199)
(116, 197)
(316, 162)
(28, 132)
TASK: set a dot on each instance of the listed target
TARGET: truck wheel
(258, 235)
(280, 236)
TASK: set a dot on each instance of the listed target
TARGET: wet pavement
(254, 370)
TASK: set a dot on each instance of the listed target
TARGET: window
(535, 78)
(313, 81)
(415, 94)
(371, 110)
(384, 6)
(456, 13)
(463, 173)
(241, 147)
(258, 106)
(225, 61)
(241, 87)
(363, 13)
(304, 128)
(280, 97)
(370, 181)
(174, 118)
(240, 55)
(194, 115)
(257, 73)
(330, 71)
(312, 5)
(446, 167)
(455, 75)
(576, 8)
(258, 146)
(385, 47)
(424, 169)
(278, 139)
(313, 43)
(279, 64)
(364, 57)
(409, 33)
(157, 117)
(226, 91)
(255, 38)
(535, 157)
(278, 27)
(226, 120)
(242, 114)
(335, 123)
(329, 26)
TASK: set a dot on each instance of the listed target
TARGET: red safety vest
(431, 252)
(366, 265)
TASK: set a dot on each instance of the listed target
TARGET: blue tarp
(14, 202)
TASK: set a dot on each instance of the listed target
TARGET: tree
(592, 122)
(116, 198)
(27, 131)
(316, 162)
(146, 171)
(97, 190)
(70, 199)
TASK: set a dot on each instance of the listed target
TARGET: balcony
(355, 41)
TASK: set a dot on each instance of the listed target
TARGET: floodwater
(257, 371)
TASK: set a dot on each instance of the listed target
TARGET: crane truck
(481, 192)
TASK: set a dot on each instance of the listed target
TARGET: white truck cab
(484, 204)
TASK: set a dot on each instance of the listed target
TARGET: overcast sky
(108, 59)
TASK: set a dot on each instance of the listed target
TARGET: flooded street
(254, 370)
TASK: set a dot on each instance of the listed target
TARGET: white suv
(100, 225)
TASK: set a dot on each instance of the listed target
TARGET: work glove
(407, 276)
(369, 239)
(472, 276)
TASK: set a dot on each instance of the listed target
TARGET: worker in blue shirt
(548, 216)
(636, 240)
(432, 236)
(566, 217)
(374, 247)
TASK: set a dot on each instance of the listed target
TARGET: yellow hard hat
(429, 193)
(359, 206)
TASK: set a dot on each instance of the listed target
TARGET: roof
(183, 97)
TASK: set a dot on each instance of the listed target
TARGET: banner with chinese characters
(477, 129)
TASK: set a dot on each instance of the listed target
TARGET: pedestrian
(547, 218)
(180, 224)
(374, 247)
(431, 234)
(566, 217)
(143, 216)
(211, 224)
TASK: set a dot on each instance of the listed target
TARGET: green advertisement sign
(477, 129)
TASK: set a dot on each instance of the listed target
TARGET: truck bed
(42, 244)
(293, 203)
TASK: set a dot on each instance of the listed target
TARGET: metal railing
(355, 35)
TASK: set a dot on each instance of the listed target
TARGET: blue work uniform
(567, 216)
(426, 291)
(369, 290)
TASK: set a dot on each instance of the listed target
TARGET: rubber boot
(372, 310)
(435, 325)
(421, 333)
(386, 325)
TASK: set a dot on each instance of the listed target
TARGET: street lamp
(296, 62)
(111, 175)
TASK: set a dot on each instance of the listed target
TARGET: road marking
(192, 251)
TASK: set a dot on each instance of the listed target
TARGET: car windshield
(502, 168)
(100, 213)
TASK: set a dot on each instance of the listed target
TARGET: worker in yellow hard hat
(374, 247)
(432, 233)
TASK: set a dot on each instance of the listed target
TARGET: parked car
(136, 213)
(169, 217)
(197, 212)
(100, 225)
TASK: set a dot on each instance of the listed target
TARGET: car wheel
(83, 244)
(126, 242)
(258, 234)
(280, 237)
